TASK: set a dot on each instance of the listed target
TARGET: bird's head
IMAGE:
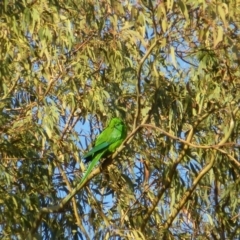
(116, 121)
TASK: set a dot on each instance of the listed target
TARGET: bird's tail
(92, 165)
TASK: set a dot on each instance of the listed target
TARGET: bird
(106, 143)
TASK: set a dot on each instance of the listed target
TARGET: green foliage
(170, 69)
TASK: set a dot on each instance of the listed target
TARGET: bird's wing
(105, 136)
(117, 137)
(97, 148)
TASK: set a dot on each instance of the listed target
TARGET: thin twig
(215, 146)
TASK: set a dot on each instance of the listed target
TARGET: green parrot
(106, 143)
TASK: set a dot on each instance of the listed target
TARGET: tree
(170, 69)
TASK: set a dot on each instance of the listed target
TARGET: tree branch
(138, 83)
(187, 194)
